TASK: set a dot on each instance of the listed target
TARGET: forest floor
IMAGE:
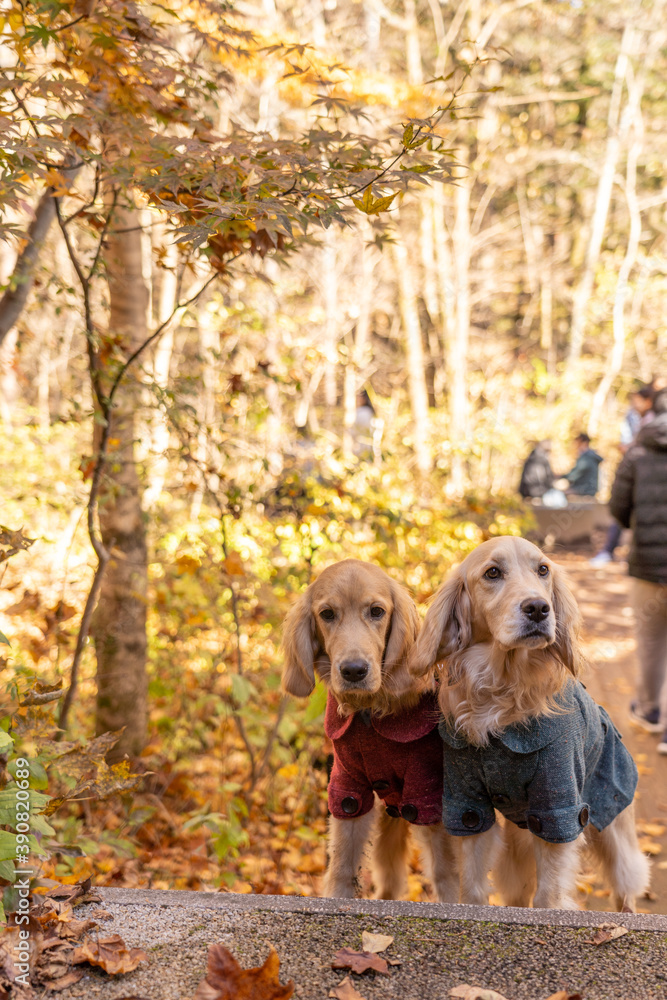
(603, 596)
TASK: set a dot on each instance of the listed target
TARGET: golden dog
(504, 630)
(354, 627)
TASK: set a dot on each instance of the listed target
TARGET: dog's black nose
(353, 671)
(535, 609)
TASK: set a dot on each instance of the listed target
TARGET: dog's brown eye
(327, 614)
(543, 570)
(493, 573)
(377, 611)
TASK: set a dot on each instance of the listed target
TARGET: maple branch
(20, 283)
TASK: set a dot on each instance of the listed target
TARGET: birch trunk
(415, 354)
(617, 127)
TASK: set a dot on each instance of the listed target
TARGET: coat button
(350, 805)
(393, 812)
(583, 816)
(380, 786)
(534, 824)
(470, 819)
(409, 812)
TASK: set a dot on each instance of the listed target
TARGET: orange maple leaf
(227, 980)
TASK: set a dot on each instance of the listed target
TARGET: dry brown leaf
(227, 980)
(375, 942)
(466, 992)
(70, 978)
(111, 954)
(345, 991)
(564, 995)
(608, 932)
(359, 961)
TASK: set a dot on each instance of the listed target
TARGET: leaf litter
(60, 943)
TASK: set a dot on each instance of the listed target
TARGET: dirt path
(610, 648)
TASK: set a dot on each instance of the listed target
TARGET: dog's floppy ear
(568, 623)
(299, 646)
(447, 626)
(403, 629)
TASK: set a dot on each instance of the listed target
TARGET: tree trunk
(119, 623)
(617, 126)
(415, 355)
(457, 355)
(164, 300)
(330, 295)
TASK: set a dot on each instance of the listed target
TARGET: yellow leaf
(382, 204)
(649, 846)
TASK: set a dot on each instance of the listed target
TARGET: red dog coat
(397, 756)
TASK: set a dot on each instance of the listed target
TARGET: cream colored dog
(504, 632)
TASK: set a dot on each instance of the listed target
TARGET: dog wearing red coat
(354, 627)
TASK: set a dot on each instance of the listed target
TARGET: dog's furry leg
(347, 840)
(477, 857)
(390, 856)
(557, 866)
(439, 853)
(515, 875)
(625, 867)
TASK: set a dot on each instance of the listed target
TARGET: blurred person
(641, 403)
(583, 478)
(537, 476)
(639, 500)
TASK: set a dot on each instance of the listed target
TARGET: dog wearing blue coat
(522, 737)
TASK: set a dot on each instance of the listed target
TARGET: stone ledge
(383, 908)
(523, 954)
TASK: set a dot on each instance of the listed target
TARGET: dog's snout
(353, 671)
(535, 609)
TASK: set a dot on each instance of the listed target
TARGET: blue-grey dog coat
(554, 775)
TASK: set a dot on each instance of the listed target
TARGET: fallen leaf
(466, 992)
(359, 961)
(70, 978)
(345, 991)
(649, 846)
(375, 942)
(111, 954)
(651, 829)
(564, 995)
(608, 932)
(227, 980)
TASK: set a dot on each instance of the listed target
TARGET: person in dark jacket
(639, 500)
(537, 475)
(583, 478)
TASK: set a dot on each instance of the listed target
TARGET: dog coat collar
(535, 734)
(406, 727)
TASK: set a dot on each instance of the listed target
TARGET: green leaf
(7, 871)
(5, 740)
(8, 846)
(242, 689)
(4, 639)
(316, 703)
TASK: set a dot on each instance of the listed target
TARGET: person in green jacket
(583, 478)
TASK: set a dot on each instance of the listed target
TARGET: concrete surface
(523, 954)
